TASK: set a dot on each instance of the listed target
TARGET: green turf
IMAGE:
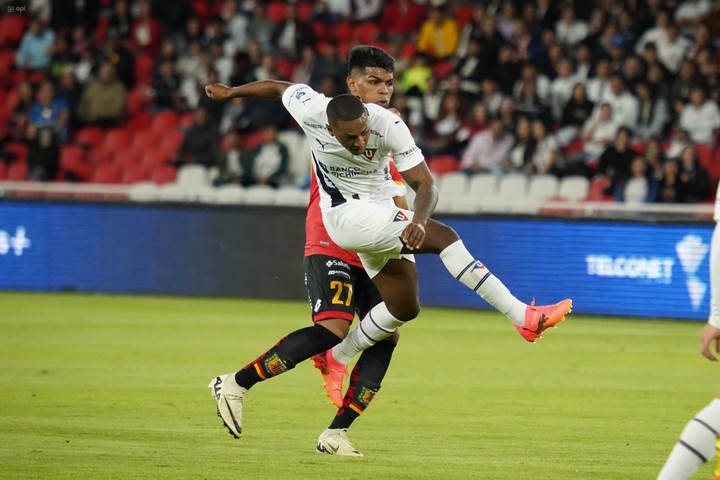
(115, 387)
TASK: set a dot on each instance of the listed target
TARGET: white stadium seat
(193, 176)
(292, 197)
(175, 193)
(143, 192)
(260, 195)
(574, 188)
(230, 194)
(543, 187)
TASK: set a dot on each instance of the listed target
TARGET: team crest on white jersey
(370, 153)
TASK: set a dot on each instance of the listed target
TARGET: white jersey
(341, 175)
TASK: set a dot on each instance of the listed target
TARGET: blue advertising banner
(616, 268)
(607, 267)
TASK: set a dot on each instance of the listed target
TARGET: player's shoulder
(300, 94)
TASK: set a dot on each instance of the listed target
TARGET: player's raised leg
(230, 390)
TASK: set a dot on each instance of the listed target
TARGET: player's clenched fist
(217, 91)
(413, 235)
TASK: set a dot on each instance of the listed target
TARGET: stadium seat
(574, 188)
(152, 159)
(462, 14)
(192, 176)
(705, 155)
(305, 11)
(143, 70)
(172, 192)
(105, 173)
(164, 121)
(291, 197)
(7, 60)
(452, 184)
(163, 174)
(299, 151)
(100, 155)
(260, 195)
(90, 137)
(482, 185)
(133, 174)
(72, 161)
(206, 194)
(17, 172)
(171, 142)
(230, 194)
(117, 139)
(127, 157)
(143, 192)
(251, 140)
(3, 170)
(366, 33)
(12, 28)
(18, 150)
(339, 32)
(442, 69)
(543, 187)
(596, 192)
(276, 11)
(442, 164)
(144, 140)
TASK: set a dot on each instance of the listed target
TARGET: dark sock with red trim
(288, 352)
(365, 382)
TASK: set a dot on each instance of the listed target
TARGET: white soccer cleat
(229, 397)
(334, 441)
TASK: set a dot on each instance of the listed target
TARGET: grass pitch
(115, 387)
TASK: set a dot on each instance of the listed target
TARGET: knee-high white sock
(465, 268)
(377, 325)
(696, 445)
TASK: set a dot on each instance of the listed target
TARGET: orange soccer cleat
(333, 374)
(538, 319)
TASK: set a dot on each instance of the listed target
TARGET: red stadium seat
(127, 156)
(12, 28)
(171, 142)
(3, 170)
(72, 160)
(19, 150)
(252, 140)
(134, 174)
(100, 156)
(91, 137)
(144, 140)
(341, 31)
(442, 68)
(367, 33)
(597, 191)
(116, 139)
(153, 159)
(276, 11)
(7, 60)
(408, 50)
(165, 121)
(442, 164)
(705, 155)
(186, 120)
(139, 121)
(143, 70)
(285, 67)
(163, 174)
(17, 172)
(105, 174)
(305, 11)
(462, 14)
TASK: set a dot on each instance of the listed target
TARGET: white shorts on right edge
(371, 228)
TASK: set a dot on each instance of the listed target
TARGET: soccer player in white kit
(699, 440)
(350, 144)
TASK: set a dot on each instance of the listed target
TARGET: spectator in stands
(491, 96)
(201, 142)
(331, 12)
(191, 33)
(215, 109)
(702, 40)
(327, 65)
(439, 35)
(165, 88)
(624, 104)
(367, 10)
(292, 35)
(104, 101)
(570, 31)
(658, 84)
(235, 28)
(599, 85)
(479, 118)
(614, 163)
(113, 51)
(639, 187)
(682, 83)
(71, 91)
(505, 18)
(415, 78)
(505, 71)
(693, 176)
(49, 111)
(490, 39)
(547, 158)
(678, 141)
(561, 88)
(260, 28)
(401, 20)
(583, 62)
(120, 20)
(633, 71)
(700, 117)
(472, 30)
(35, 48)
(43, 156)
(446, 134)
(520, 157)
(576, 112)
(690, 15)
(655, 35)
(487, 150)
(598, 133)
(268, 163)
(670, 188)
(672, 50)
(79, 41)
(18, 120)
(471, 68)
(145, 33)
(710, 70)
(529, 74)
(529, 104)
(652, 113)
(301, 72)
(230, 168)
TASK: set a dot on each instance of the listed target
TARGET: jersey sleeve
(406, 153)
(299, 98)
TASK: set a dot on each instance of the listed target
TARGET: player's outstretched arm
(267, 89)
(421, 181)
(709, 341)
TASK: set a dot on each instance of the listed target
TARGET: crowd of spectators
(618, 90)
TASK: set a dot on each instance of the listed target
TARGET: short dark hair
(346, 108)
(364, 56)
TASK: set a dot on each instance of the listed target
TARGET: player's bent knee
(405, 312)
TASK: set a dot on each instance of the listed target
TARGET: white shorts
(370, 228)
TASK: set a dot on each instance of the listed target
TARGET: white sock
(696, 446)
(463, 266)
(377, 325)
(714, 319)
